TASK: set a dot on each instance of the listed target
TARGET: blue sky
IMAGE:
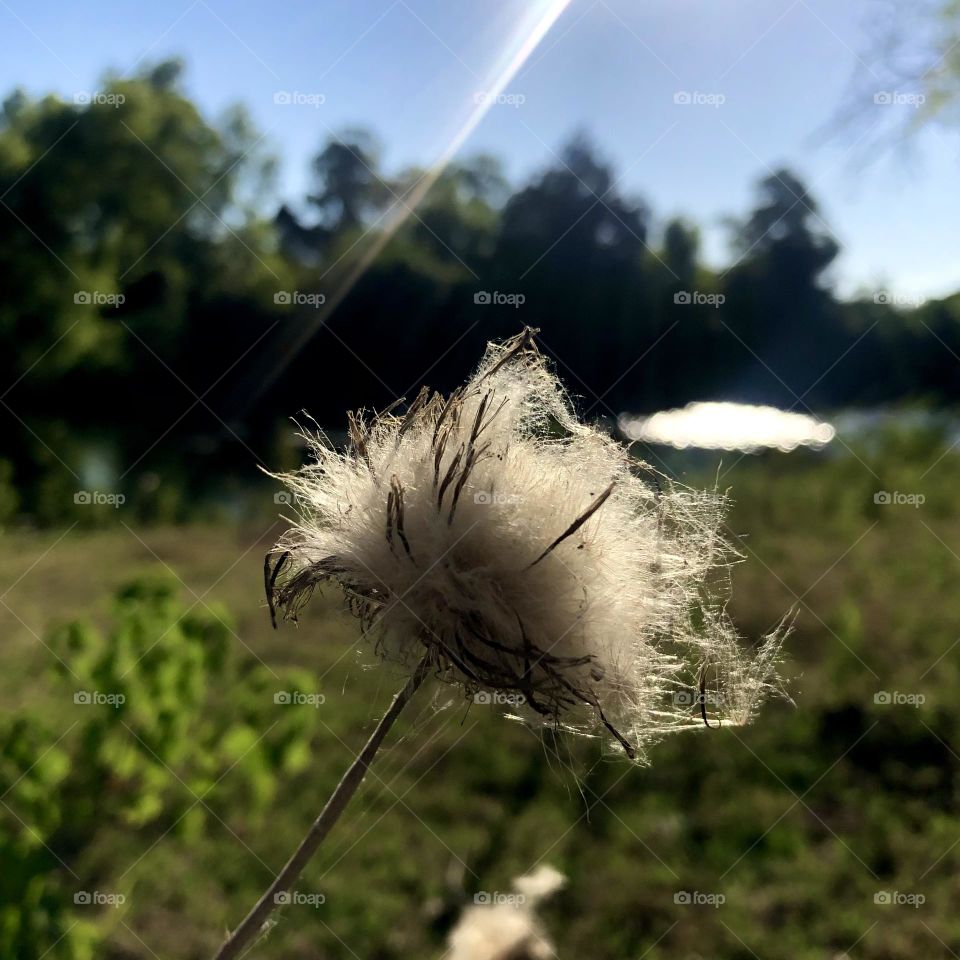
(410, 70)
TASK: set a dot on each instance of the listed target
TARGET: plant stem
(253, 923)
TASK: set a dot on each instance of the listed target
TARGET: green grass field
(801, 823)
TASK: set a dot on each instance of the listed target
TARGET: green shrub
(152, 713)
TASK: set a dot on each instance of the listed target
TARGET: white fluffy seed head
(529, 555)
(507, 928)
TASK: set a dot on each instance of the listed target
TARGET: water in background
(749, 428)
(729, 426)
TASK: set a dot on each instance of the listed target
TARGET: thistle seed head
(528, 554)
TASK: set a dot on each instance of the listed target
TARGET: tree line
(161, 321)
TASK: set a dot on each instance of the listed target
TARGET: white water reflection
(729, 426)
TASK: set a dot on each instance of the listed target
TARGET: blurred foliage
(913, 60)
(146, 721)
(162, 316)
(941, 80)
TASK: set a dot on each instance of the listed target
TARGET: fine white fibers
(528, 554)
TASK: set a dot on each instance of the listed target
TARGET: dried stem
(252, 924)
